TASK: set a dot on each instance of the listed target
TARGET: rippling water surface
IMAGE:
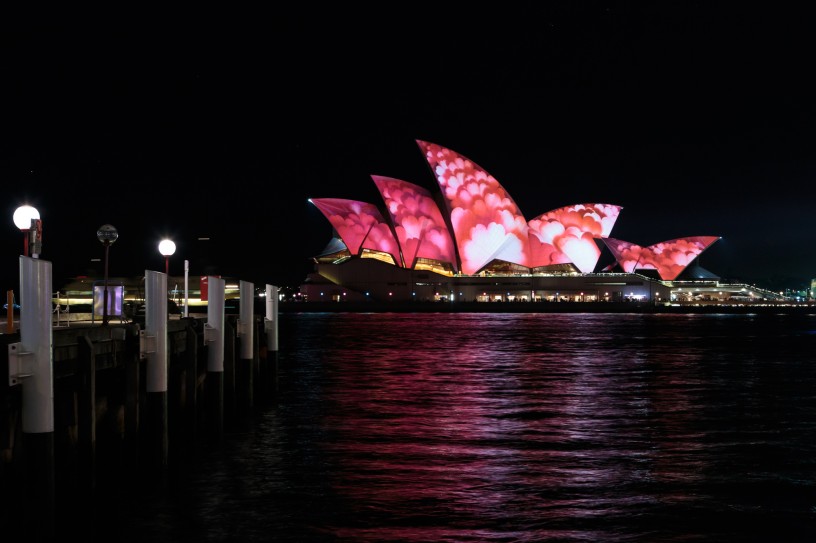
(515, 427)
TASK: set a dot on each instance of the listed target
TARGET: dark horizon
(695, 118)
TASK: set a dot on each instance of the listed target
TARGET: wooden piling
(104, 410)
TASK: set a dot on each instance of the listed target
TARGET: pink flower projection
(420, 227)
(627, 254)
(487, 223)
(567, 235)
(360, 225)
(669, 258)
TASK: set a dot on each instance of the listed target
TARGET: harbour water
(512, 427)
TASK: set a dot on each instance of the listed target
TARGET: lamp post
(107, 234)
(23, 216)
(167, 248)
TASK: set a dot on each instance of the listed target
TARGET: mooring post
(35, 357)
(244, 368)
(133, 365)
(230, 390)
(191, 380)
(86, 407)
(214, 340)
(156, 349)
(271, 328)
(258, 363)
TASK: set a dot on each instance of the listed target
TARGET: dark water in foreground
(515, 427)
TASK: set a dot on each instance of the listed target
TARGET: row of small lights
(606, 294)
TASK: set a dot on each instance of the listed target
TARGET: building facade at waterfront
(469, 241)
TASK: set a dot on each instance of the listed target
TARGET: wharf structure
(389, 289)
(89, 411)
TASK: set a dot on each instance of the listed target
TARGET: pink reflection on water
(487, 223)
(567, 234)
(669, 258)
(480, 440)
(360, 225)
(420, 227)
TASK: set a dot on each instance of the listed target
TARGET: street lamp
(167, 248)
(107, 234)
(23, 216)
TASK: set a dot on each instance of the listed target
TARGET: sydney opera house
(469, 241)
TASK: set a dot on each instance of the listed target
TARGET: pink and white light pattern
(360, 225)
(420, 227)
(487, 223)
(669, 258)
(567, 235)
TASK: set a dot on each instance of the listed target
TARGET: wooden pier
(107, 433)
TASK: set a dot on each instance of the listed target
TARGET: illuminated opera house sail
(469, 240)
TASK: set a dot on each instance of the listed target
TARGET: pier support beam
(214, 340)
(36, 371)
(271, 329)
(133, 377)
(86, 420)
(156, 348)
(244, 369)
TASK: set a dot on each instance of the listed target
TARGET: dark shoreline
(539, 307)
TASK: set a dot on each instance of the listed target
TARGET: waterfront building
(469, 241)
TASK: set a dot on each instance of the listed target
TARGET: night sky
(696, 117)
